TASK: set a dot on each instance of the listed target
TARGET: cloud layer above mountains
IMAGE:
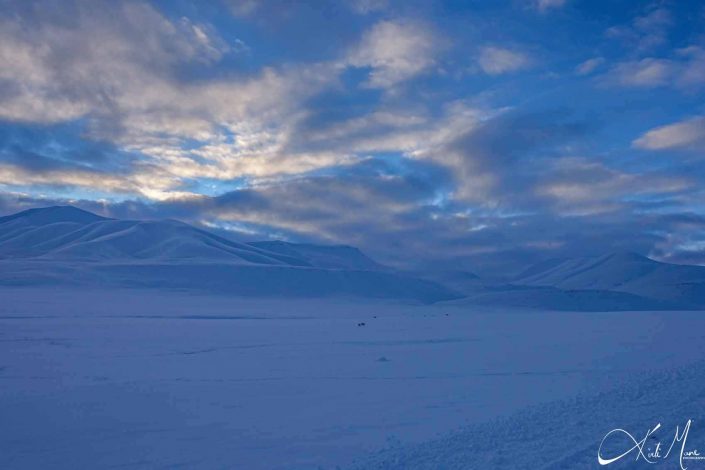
(486, 133)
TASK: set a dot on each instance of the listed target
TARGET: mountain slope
(64, 245)
(72, 234)
(623, 272)
(49, 215)
(459, 280)
(552, 298)
(333, 256)
(21, 233)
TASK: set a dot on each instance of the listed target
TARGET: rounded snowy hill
(68, 245)
(622, 272)
(73, 234)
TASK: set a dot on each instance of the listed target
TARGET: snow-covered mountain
(72, 234)
(69, 245)
(60, 245)
(622, 272)
(616, 282)
(323, 256)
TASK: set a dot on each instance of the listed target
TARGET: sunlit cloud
(395, 51)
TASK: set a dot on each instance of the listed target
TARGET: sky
(479, 134)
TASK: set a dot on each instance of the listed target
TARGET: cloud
(589, 66)
(243, 7)
(64, 68)
(647, 72)
(518, 161)
(487, 154)
(684, 69)
(646, 32)
(395, 51)
(422, 220)
(687, 134)
(118, 66)
(495, 60)
(483, 149)
(691, 73)
(578, 186)
(250, 8)
(12, 175)
(545, 5)
(44, 148)
(371, 138)
(685, 242)
(364, 7)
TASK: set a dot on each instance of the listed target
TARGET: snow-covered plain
(149, 379)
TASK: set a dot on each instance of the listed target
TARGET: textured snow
(562, 434)
(145, 379)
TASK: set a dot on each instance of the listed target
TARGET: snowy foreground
(139, 379)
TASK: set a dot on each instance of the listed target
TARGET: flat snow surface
(147, 379)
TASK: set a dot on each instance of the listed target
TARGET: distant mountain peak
(67, 232)
(622, 271)
(54, 214)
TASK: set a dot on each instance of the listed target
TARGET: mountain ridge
(65, 245)
(621, 272)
